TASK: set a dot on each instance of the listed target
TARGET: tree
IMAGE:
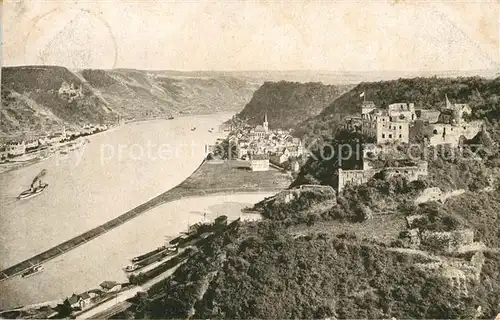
(227, 150)
(64, 310)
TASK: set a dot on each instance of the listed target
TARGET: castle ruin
(70, 92)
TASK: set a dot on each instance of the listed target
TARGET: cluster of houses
(89, 298)
(20, 147)
(261, 146)
(400, 123)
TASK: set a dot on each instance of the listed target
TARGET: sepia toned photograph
(252, 159)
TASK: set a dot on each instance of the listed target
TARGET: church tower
(265, 124)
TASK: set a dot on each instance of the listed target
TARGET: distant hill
(32, 100)
(481, 93)
(332, 76)
(289, 103)
(134, 92)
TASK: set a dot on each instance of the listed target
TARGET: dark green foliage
(226, 150)
(488, 294)
(479, 211)
(63, 309)
(300, 209)
(344, 150)
(271, 275)
(455, 168)
(261, 271)
(380, 195)
(436, 217)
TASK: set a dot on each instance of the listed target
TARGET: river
(117, 171)
(103, 258)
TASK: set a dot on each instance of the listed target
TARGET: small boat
(33, 192)
(149, 254)
(35, 189)
(32, 271)
(131, 268)
(172, 250)
(193, 128)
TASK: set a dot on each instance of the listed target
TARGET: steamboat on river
(32, 271)
(35, 189)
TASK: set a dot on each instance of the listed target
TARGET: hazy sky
(253, 35)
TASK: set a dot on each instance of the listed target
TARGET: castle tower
(265, 124)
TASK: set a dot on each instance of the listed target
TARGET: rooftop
(368, 103)
(260, 157)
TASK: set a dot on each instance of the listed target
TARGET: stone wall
(443, 133)
(391, 131)
(411, 172)
(430, 116)
(354, 177)
(402, 111)
(367, 107)
(369, 128)
(410, 239)
(446, 241)
(450, 134)
(357, 177)
(462, 275)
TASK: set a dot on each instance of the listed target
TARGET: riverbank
(97, 183)
(137, 180)
(13, 165)
(108, 255)
(208, 179)
(44, 154)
